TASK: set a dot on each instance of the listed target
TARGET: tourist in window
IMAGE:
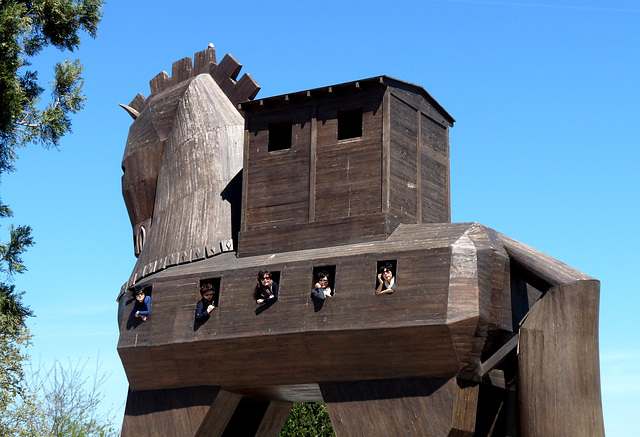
(322, 290)
(206, 304)
(266, 290)
(386, 280)
(142, 305)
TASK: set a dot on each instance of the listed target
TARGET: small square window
(349, 123)
(280, 135)
(330, 271)
(216, 289)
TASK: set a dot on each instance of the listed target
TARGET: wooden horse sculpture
(482, 336)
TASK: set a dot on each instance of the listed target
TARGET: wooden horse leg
(559, 370)
(406, 407)
(179, 412)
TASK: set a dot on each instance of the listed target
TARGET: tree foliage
(26, 28)
(55, 401)
(308, 420)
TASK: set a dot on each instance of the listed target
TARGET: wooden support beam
(498, 356)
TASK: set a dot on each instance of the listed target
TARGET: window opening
(321, 290)
(331, 273)
(349, 123)
(386, 276)
(280, 135)
(216, 286)
(267, 287)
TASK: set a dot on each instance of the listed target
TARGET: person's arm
(147, 302)
(380, 284)
(317, 292)
(201, 312)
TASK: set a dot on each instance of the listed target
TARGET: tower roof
(371, 82)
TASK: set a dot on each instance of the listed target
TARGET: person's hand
(144, 318)
(318, 285)
(137, 313)
(380, 277)
(260, 301)
(210, 308)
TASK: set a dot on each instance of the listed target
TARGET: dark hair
(206, 287)
(386, 266)
(263, 272)
(321, 274)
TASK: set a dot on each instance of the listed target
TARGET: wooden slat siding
(386, 154)
(313, 153)
(403, 151)
(274, 419)
(488, 257)
(558, 363)
(278, 182)
(299, 359)
(414, 97)
(310, 235)
(245, 165)
(500, 317)
(463, 306)
(399, 407)
(348, 171)
(419, 187)
(435, 189)
(173, 412)
(291, 332)
(434, 157)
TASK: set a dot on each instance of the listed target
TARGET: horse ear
(132, 112)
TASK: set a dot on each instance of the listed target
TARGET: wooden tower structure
(483, 335)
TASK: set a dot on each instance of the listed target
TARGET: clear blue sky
(546, 94)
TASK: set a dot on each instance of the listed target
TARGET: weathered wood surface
(426, 328)
(436, 357)
(559, 371)
(193, 411)
(401, 407)
(396, 172)
(183, 152)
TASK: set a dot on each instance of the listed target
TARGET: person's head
(264, 278)
(323, 278)
(139, 294)
(387, 271)
(207, 290)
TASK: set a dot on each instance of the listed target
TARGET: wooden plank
(558, 363)
(274, 419)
